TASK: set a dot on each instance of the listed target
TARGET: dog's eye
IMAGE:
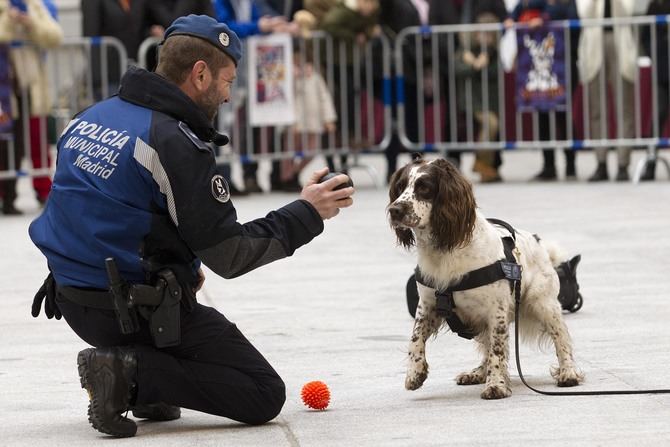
(399, 188)
(423, 190)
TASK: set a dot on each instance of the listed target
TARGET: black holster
(164, 320)
(159, 304)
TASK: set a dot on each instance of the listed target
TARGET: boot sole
(83, 367)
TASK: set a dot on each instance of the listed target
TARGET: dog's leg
(497, 375)
(478, 375)
(566, 374)
(426, 324)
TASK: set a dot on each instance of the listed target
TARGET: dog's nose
(396, 212)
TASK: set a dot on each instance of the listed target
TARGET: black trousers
(215, 369)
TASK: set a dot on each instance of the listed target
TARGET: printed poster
(540, 80)
(271, 99)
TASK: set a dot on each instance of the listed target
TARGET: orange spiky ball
(315, 395)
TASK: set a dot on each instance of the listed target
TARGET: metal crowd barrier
(425, 91)
(455, 126)
(358, 84)
(74, 83)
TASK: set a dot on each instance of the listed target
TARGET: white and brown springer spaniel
(433, 207)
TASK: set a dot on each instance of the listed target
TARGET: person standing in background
(32, 28)
(394, 16)
(612, 49)
(662, 67)
(536, 13)
(129, 21)
(249, 18)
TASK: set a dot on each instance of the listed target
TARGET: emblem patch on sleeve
(220, 189)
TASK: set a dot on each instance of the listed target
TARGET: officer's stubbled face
(218, 91)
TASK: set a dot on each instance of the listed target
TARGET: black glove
(48, 291)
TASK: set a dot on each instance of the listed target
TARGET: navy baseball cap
(207, 28)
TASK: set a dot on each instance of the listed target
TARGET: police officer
(136, 181)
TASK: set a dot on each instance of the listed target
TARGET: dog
(432, 206)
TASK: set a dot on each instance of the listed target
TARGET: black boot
(600, 175)
(547, 174)
(156, 412)
(570, 165)
(622, 174)
(649, 171)
(108, 375)
(10, 210)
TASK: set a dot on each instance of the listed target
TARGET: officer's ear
(201, 76)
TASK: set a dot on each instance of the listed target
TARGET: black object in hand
(330, 175)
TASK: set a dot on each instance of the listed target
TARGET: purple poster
(540, 78)
(5, 91)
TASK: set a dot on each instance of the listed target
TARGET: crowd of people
(355, 22)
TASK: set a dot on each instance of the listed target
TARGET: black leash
(562, 393)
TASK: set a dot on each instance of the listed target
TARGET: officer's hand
(47, 293)
(322, 197)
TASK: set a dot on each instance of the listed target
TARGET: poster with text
(271, 100)
(540, 70)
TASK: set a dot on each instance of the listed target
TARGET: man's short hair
(179, 53)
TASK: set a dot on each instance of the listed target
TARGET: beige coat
(313, 103)
(590, 50)
(28, 61)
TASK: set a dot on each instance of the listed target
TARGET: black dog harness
(506, 268)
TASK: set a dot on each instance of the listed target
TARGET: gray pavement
(336, 312)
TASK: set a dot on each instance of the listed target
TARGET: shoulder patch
(193, 137)
(220, 189)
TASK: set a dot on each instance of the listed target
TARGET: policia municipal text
(136, 206)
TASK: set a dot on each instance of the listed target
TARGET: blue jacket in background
(226, 13)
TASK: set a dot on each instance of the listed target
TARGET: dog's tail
(556, 254)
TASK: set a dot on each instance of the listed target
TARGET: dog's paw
(499, 391)
(416, 377)
(567, 377)
(474, 377)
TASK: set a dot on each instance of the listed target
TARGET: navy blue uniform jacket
(136, 181)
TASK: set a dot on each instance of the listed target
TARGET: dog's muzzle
(402, 215)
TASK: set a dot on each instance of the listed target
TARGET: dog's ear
(454, 209)
(397, 185)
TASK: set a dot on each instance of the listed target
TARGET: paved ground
(336, 312)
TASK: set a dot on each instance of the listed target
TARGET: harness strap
(502, 269)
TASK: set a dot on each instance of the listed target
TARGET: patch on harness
(511, 270)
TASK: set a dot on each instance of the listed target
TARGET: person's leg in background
(548, 172)
(628, 112)
(40, 156)
(598, 129)
(663, 109)
(7, 162)
(486, 162)
(396, 147)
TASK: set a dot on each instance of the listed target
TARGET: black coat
(658, 7)
(395, 15)
(165, 12)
